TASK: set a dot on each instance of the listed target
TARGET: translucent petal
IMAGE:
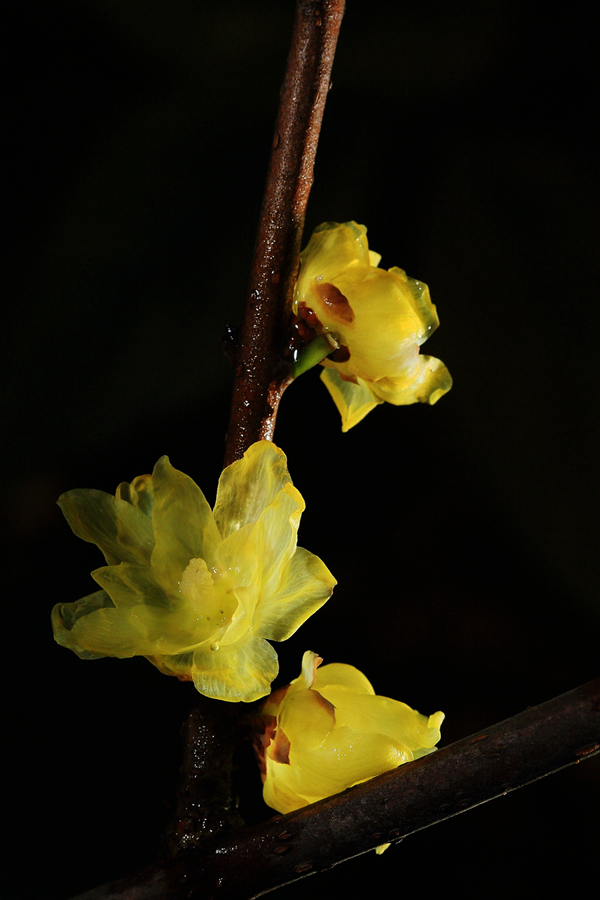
(200, 602)
(138, 493)
(113, 632)
(241, 671)
(178, 664)
(343, 676)
(305, 585)
(351, 757)
(65, 615)
(420, 300)
(333, 250)
(121, 531)
(430, 381)
(237, 574)
(249, 485)
(354, 401)
(280, 521)
(129, 585)
(302, 780)
(183, 523)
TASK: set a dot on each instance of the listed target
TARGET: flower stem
(261, 375)
(314, 353)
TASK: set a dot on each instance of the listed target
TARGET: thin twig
(260, 375)
(509, 755)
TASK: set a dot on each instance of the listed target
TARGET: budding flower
(328, 730)
(378, 318)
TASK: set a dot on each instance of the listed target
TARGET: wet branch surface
(260, 374)
(537, 742)
(214, 729)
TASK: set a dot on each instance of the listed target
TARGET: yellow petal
(336, 733)
(183, 522)
(354, 401)
(380, 319)
(305, 584)
(130, 585)
(280, 521)
(333, 250)
(307, 719)
(430, 380)
(196, 601)
(138, 493)
(65, 615)
(122, 532)
(242, 671)
(343, 677)
(249, 485)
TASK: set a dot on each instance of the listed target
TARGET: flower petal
(354, 401)
(279, 521)
(121, 531)
(183, 522)
(249, 485)
(307, 719)
(332, 250)
(343, 677)
(138, 493)
(129, 585)
(382, 715)
(430, 381)
(65, 615)
(242, 671)
(305, 585)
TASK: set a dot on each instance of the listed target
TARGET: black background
(464, 537)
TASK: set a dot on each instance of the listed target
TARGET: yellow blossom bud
(196, 591)
(379, 318)
(328, 731)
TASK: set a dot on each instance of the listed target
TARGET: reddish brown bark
(261, 375)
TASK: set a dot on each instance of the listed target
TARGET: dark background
(464, 537)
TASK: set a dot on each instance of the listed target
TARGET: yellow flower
(327, 731)
(194, 590)
(379, 318)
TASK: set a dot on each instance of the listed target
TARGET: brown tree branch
(212, 730)
(509, 755)
(260, 375)
(205, 802)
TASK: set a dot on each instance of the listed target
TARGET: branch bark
(260, 375)
(509, 755)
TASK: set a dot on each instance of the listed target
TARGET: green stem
(315, 352)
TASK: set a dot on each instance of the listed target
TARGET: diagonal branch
(260, 376)
(509, 755)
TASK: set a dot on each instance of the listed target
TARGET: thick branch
(260, 376)
(205, 801)
(537, 742)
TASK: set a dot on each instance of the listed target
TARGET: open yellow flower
(196, 591)
(379, 318)
(328, 731)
